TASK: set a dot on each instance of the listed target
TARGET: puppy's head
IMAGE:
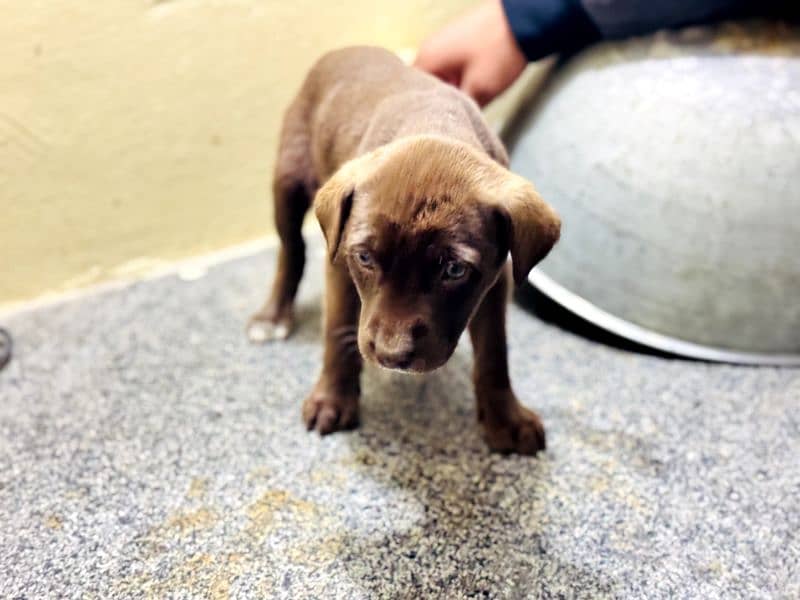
(424, 226)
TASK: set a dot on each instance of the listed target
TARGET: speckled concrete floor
(146, 449)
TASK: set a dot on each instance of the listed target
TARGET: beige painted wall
(138, 131)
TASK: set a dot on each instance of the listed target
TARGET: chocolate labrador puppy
(419, 213)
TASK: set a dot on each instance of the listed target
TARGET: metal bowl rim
(641, 335)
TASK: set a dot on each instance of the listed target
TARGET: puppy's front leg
(507, 425)
(333, 404)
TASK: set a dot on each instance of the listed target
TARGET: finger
(484, 80)
(451, 76)
(445, 68)
(478, 88)
(448, 69)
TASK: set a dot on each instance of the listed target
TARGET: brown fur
(419, 214)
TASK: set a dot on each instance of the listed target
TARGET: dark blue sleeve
(623, 18)
(543, 27)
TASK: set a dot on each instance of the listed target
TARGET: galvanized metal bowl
(674, 161)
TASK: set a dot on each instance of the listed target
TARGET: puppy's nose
(395, 360)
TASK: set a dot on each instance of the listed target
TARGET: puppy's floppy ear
(332, 206)
(531, 226)
(334, 200)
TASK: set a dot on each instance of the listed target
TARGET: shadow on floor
(535, 302)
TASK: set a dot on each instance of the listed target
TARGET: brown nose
(395, 360)
(395, 347)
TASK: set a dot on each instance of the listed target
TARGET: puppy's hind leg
(293, 191)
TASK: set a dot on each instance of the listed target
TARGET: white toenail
(257, 332)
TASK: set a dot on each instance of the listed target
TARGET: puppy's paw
(262, 329)
(326, 412)
(518, 430)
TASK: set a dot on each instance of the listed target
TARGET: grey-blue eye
(455, 270)
(364, 258)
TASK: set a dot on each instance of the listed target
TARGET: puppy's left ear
(531, 226)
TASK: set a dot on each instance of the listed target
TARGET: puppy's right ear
(334, 200)
(332, 206)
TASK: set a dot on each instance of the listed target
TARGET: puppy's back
(357, 98)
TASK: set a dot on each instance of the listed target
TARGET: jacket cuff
(543, 27)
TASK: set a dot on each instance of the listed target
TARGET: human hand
(477, 53)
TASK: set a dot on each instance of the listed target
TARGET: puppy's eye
(454, 270)
(364, 258)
